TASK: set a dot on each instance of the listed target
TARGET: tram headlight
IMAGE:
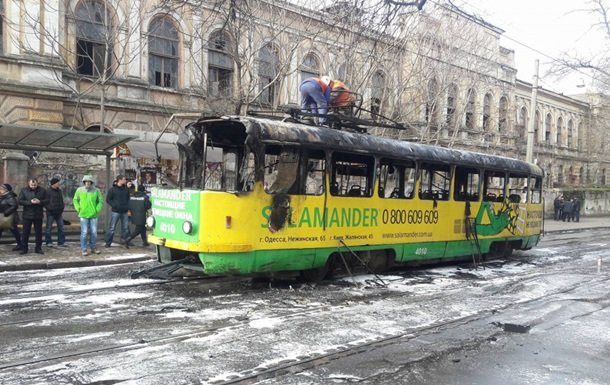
(187, 227)
(150, 222)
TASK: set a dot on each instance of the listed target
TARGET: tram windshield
(215, 157)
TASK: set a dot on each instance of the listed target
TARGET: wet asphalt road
(539, 318)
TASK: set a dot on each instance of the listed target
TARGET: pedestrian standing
(88, 203)
(576, 210)
(55, 212)
(567, 209)
(33, 198)
(8, 207)
(118, 199)
(557, 208)
(139, 204)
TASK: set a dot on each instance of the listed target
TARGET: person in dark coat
(33, 199)
(8, 206)
(567, 209)
(576, 210)
(55, 211)
(118, 199)
(139, 204)
(557, 204)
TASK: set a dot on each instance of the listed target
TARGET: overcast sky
(549, 26)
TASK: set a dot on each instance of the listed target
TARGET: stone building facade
(128, 66)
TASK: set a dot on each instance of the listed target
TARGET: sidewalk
(551, 226)
(64, 257)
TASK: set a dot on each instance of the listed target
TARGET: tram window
(246, 173)
(315, 172)
(536, 191)
(434, 183)
(467, 182)
(281, 168)
(396, 179)
(352, 175)
(294, 170)
(517, 188)
(493, 186)
(221, 170)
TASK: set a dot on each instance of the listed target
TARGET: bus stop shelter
(58, 140)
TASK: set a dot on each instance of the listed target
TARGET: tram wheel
(317, 274)
(378, 261)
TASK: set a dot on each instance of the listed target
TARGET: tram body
(261, 196)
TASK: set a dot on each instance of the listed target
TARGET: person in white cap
(88, 203)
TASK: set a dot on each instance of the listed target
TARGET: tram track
(309, 360)
(301, 363)
(12, 303)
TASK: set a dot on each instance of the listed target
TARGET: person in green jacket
(88, 202)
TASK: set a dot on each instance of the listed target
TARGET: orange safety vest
(340, 94)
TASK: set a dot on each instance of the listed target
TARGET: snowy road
(540, 318)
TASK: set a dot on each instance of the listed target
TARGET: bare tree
(594, 64)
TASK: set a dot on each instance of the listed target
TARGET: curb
(69, 264)
(576, 229)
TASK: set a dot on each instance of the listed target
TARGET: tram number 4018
(401, 217)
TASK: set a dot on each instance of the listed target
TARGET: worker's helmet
(88, 178)
(326, 79)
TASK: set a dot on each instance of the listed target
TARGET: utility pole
(529, 153)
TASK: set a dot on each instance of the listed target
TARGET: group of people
(320, 94)
(125, 201)
(566, 209)
(34, 199)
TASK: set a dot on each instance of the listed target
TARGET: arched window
(431, 107)
(570, 132)
(502, 114)
(603, 181)
(310, 67)
(581, 175)
(220, 65)
(470, 109)
(523, 122)
(96, 128)
(487, 112)
(560, 175)
(268, 70)
(547, 129)
(378, 92)
(93, 37)
(452, 93)
(163, 53)
(559, 129)
(522, 117)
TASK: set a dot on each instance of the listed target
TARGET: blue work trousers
(314, 100)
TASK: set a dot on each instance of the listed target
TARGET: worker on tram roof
(315, 93)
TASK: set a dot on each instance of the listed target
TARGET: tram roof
(268, 130)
